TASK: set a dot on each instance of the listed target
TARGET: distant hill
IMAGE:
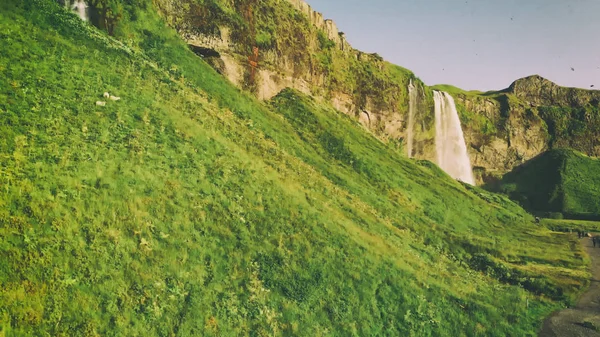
(560, 181)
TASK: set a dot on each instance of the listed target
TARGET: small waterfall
(77, 6)
(412, 101)
(81, 8)
(450, 145)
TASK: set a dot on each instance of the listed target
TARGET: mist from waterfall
(412, 101)
(452, 156)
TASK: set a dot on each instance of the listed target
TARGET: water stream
(450, 144)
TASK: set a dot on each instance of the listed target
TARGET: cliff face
(267, 46)
(506, 128)
(498, 136)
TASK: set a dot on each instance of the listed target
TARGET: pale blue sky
(477, 44)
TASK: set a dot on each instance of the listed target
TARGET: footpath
(583, 319)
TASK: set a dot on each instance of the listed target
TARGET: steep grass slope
(188, 208)
(561, 181)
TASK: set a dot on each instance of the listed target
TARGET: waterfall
(77, 6)
(81, 8)
(412, 101)
(450, 145)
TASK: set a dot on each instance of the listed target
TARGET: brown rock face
(285, 43)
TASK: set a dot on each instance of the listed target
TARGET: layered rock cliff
(506, 128)
(266, 46)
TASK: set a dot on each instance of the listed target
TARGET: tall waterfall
(450, 145)
(412, 101)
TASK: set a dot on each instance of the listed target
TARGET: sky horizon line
(507, 86)
(484, 45)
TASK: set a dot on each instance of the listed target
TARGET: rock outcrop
(538, 91)
(326, 25)
(506, 128)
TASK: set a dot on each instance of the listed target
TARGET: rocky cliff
(266, 46)
(503, 129)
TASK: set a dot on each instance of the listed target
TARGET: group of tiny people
(595, 239)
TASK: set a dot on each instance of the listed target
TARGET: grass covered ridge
(571, 226)
(189, 208)
(453, 90)
(559, 181)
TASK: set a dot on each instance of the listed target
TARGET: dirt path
(570, 322)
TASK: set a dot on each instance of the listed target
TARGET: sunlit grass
(190, 208)
(571, 225)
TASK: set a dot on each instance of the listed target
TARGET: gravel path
(571, 322)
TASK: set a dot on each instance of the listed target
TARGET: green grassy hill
(560, 181)
(189, 208)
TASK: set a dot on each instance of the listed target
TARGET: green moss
(572, 126)
(265, 40)
(480, 124)
(324, 42)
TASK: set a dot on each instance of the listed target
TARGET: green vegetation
(189, 208)
(571, 225)
(477, 121)
(455, 90)
(569, 126)
(559, 181)
(324, 42)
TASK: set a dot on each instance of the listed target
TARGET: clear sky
(477, 44)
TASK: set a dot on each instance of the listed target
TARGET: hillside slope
(189, 208)
(560, 181)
